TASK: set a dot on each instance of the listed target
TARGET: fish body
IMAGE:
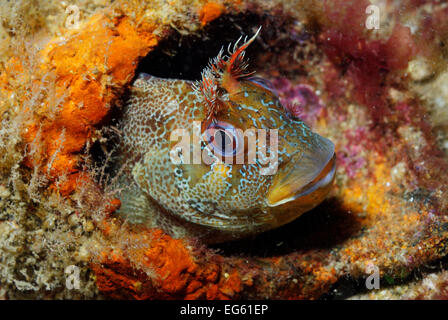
(219, 159)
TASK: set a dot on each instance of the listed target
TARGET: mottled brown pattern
(221, 201)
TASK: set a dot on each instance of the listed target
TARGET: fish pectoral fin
(141, 187)
(135, 206)
(153, 172)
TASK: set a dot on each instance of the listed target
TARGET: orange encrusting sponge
(90, 68)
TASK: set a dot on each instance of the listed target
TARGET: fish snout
(306, 180)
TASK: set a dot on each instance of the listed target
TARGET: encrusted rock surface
(380, 95)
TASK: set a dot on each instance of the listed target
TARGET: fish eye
(223, 138)
(223, 141)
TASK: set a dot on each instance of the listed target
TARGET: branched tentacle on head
(221, 75)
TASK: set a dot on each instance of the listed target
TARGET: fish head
(254, 167)
(283, 168)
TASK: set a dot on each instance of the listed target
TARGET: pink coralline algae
(299, 99)
(350, 156)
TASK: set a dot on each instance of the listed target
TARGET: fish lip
(312, 186)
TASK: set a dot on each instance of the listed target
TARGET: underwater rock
(388, 208)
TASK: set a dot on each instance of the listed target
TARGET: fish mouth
(306, 181)
(321, 182)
